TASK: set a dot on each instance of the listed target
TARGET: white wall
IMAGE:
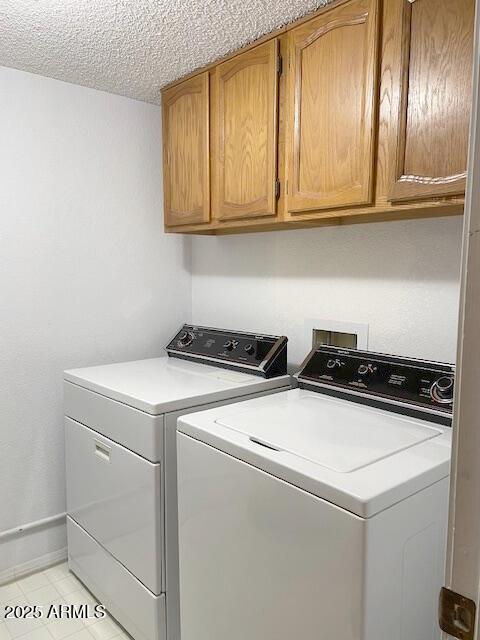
(401, 278)
(86, 274)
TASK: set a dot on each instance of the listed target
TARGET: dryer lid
(339, 436)
(162, 385)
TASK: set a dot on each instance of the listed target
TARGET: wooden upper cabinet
(186, 152)
(331, 115)
(370, 118)
(434, 71)
(246, 100)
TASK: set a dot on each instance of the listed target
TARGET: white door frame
(463, 554)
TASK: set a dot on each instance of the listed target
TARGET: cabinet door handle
(102, 451)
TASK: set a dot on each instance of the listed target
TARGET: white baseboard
(37, 564)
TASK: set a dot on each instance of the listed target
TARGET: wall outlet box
(349, 335)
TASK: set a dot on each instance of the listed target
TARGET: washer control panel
(259, 354)
(392, 379)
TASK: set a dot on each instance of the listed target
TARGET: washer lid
(342, 437)
(356, 457)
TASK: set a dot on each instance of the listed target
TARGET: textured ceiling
(133, 47)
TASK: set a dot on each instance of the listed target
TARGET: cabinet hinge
(456, 615)
(277, 188)
(279, 65)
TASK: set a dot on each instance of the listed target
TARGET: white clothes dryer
(120, 422)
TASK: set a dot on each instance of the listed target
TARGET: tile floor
(55, 585)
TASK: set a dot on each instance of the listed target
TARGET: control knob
(229, 345)
(250, 349)
(442, 390)
(334, 363)
(365, 369)
(185, 339)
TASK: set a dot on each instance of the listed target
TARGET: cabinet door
(186, 155)
(434, 53)
(331, 113)
(247, 89)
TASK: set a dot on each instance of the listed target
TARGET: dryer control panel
(389, 382)
(258, 354)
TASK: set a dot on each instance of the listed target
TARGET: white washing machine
(121, 463)
(319, 513)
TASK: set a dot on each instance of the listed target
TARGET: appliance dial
(366, 369)
(250, 349)
(442, 390)
(185, 339)
(334, 363)
(229, 345)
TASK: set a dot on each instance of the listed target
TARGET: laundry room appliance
(319, 513)
(121, 463)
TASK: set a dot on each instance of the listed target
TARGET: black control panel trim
(257, 354)
(441, 367)
(370, 401)
(389, 399)
(230, 366)
(208, 359)
(411, 386)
